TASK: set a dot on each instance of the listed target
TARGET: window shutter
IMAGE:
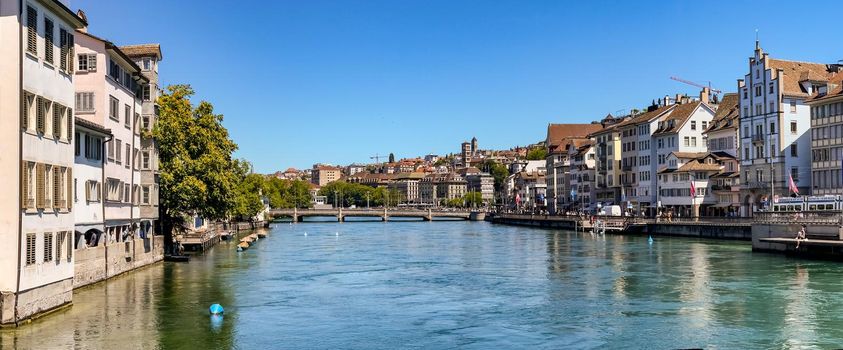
(40, 196)
(71, 57)
(48, 41)
(69, 112)
(24, 190)
(24, 121)
(69, 194)
(88, 190)
(99, 192)
(92, 63)
(57, 187)
(63, 51)
(39, 115)
(31, 30)
(57, 121)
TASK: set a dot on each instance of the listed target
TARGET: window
(113, 108)
(31, 30)
(687, 141)
(128, 155)
(145, 160)
(147, 64)
(771, 88)
(744, 94)
(794, 173)
(704, 125)
(772, 107)
(127, 116)
(28, 188)
(772, 127)
(58, 121)
(145, 195)
(146, 126)
(793, 127)
(87, 62)
(118, 158)
(758, 90)
(793, 150)
(29, 112)
(746, 153)
(792, 106)
(59, 244)
(146, 93)
(93, 191)
(48, 247)
(48, 40)
(85, 102)
(693, 125)
(66, 46)
(30, 248)
(746, 111)
(135, 163)
(127, 197)
(694, 141)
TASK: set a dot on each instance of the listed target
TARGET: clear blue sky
(311, 81)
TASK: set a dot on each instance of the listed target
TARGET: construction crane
(377, 157)
(697, 85)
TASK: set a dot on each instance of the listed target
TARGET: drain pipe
(20, 154)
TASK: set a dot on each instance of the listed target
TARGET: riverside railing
(800, 217)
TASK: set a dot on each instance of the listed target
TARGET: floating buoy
(338, 233)
(216, 309)
(305, 234)
(650, 239)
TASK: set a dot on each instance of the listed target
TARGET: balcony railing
(758, 138)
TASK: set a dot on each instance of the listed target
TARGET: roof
(796, 72)
(143, 50)
(92, 126)
(696, 165)
(835, 84)
(117, 51)
(689, 155)
(326, 167)
(726, 115)
(556, 133)
(646, 116)
(679, 116)
(62, 10)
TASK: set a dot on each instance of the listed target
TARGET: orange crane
(697, 85)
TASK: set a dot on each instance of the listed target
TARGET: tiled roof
(92, 126)
(142, 50)
(556, 133)
(688, 155)
(679, 116)
(697, 166)
(795, 72)
(727, 111)
(836, 91)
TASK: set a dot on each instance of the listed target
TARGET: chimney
(666, 100)
(704, 94)
(84, 17)
(678, 99)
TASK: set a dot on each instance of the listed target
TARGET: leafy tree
(498, 171)
(194, 160)
(537, 153)
(473, 199)
(287, 194)
(247, 200)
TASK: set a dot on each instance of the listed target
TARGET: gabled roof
(796, 72)
(556, 133)
(727, 111)
(677, 118)
(143, 50)
(696, 165)
(689, 155)
(836, 89)
(646, 116)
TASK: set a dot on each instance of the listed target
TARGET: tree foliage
(197, 173)
(287, 193)
(356, 194)
(537, 153)
(498, 171)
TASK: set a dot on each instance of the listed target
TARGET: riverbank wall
(99, 263)
(697, 229)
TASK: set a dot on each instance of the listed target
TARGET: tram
(809, 203)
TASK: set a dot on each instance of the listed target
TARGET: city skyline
(423, 77)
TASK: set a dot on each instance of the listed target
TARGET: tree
(537, 153)
(197, 174)
(498, 171)
(391, 158)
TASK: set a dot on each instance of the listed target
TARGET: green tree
(537, 153)
(498, 171)
(194, 160)
(247, 199)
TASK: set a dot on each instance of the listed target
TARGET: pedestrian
(801, 235)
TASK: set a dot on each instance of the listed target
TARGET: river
(473, 285)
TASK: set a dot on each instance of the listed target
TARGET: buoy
(650, 239)
(305, 234)
(338, 233)
(216, 309)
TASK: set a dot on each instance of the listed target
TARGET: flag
(693, 190)
(792, 185)
(517, 199)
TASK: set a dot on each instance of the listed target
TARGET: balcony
(758, 138)
(626, 168)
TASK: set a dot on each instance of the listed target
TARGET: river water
(473, 285)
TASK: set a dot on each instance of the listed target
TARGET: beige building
(147, 57)
(37, 156)
(827, 137)
(323, 175)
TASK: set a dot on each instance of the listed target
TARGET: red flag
(693, 189)
(517, 199)
(792, 185)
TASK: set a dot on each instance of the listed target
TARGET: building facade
(108, 94)
(323, 175)
(148, 58)
(90, 139)
(827, 137)
(37, 129)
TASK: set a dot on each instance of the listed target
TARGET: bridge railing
(803, 217)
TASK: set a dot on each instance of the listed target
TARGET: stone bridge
(383, 213)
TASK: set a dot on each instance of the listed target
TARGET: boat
(177, 258)
(247, 240)
(262, 234)
(242, 246)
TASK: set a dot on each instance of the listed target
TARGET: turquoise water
(436, 285)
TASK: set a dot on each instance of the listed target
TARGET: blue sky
(311, 81)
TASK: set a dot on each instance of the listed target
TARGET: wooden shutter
(24, 111)
(63, 44)
(88, 190)
(69, 112)
(57, 125)
(71, 56)
(99, 192)
(57, 187)
(48, 40)
(31, 30)
(40, 196)
(24, 190)
(39, 115)
(70, 195)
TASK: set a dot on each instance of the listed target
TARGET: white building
(675, 190)
(775, 123)
(87, 182)
(108, 88)
(582, 175)
(722, 136)
(635, 135)
(36, 102)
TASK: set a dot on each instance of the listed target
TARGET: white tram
(809, 203)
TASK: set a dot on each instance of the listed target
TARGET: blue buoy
(650, 239)
(216, 309)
